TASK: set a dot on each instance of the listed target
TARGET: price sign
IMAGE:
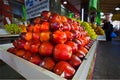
(35, 7)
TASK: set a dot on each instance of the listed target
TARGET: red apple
(69, 35)
(78, 42)
(22, 35)
(80, 54)
(63, 19)
(72, 26)
(62, 52)
(30, 28)
(45, 36)
(83, 41)
(20, 52)
(27, 45)
(73, 45)
(19, 43)
(37, 20)
(15, 43)
(74, 61)
(36, 28)
(69, 20)
(76, 33)
(15, 50)
(28, 36)
(27, 55)
(35, 59)
(81, 29)
(66, 26)
(48, 63)
(34, 48)
(76, 26)
(44, 26)
(87, 39)
(87, 47)
(11, 49)
(36, 36)
(59, 37)
(64, 69)
(89, 44)
(81, 48)
(55, 26)
(45, 49)
(54, 17)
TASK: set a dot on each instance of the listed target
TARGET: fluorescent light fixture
(117, 8)
(65, 2)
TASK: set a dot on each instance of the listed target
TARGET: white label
(35, 7)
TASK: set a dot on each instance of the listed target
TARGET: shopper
(108, 28)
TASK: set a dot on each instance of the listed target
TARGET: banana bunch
(13, 28)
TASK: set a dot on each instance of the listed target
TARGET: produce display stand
(7, 37)
(101, 38)
(32, 71)
(4, 33)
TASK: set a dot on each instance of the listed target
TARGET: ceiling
(107, 6)
(76, 3)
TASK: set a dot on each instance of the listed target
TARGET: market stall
(48, 40)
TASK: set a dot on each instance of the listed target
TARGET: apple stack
(54, 42)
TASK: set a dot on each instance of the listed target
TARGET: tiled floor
(107, 64)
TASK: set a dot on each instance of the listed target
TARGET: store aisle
(6, 72)
(107, 65)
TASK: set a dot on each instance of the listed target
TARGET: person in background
(108, 29)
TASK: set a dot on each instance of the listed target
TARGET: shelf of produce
(4, 33)
(32, 71)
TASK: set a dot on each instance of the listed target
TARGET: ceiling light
(111, 14)
(65, 2)
(117, 8)
(101, 13)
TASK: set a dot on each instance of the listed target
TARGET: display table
(6, 37)
(101, 38)
(4, 33)
(32, 71)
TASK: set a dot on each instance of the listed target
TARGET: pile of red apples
(54, 42)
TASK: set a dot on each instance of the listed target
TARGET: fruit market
(58, 40)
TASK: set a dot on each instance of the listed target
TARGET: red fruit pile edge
(54, 42)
